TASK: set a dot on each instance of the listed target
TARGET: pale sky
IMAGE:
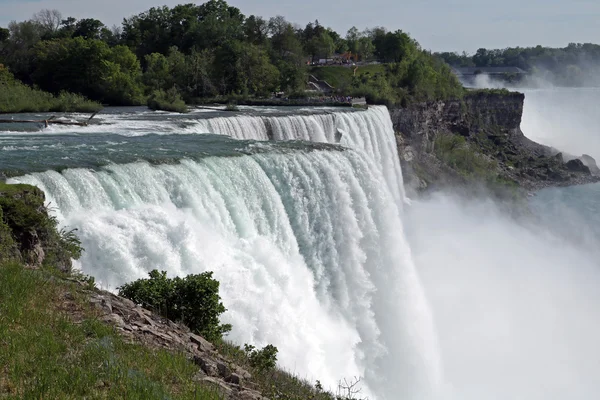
(439, 25)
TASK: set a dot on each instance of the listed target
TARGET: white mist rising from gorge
(516, 302)
(515, 306)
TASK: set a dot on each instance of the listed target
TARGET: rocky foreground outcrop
(490, 123)
(149, 329)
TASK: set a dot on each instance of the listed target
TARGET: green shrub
(264, 359)
(193, 300)
(16, 97)
(169, 100)
(26, 217)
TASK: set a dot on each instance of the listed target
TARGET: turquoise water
(40, 152)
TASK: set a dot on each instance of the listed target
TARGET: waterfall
(308, 244)
(370, 131)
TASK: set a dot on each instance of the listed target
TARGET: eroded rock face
(590, 162)
(577, 165)
(490, 124)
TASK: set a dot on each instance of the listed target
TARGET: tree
(49, 20)
(219, 23)
(149, 32)
(396, 46)
(89, 28)
(256, 30)
(481, 58)
(67, 27)
(157, 75)
(352, 37)
(4, 35)
(193, 300)
(88, 67)
(321, 46)
(17, 49)
(243, 68)
(365, 48)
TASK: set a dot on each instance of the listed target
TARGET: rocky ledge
(488, 122)
(144, 327)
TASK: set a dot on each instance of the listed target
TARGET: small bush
(264, 359)
(193, 300)
(169, 100)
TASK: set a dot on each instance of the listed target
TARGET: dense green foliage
(17, 97)
(25, 223)
(88, 67)
(574, 65)
(264, 359)
(193, 300)
(169, 100)
(212, 50)
(46, 354)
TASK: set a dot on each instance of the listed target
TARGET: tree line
(206, 51)
(574, 65)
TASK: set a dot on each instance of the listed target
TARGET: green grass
(44, 353)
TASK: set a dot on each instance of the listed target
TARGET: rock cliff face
(435, 138)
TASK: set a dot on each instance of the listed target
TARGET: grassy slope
(52, 345)
(52, 348)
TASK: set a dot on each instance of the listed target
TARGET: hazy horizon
(438, 25)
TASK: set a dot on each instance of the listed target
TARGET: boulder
(224, 370)
(208, 366)
(576, 165)
(590, 162)
(235, 379)
(250, 395)
(202, 343)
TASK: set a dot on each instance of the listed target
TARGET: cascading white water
(308, 245)
(242, 127)
(370, 131)
(309, 249)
